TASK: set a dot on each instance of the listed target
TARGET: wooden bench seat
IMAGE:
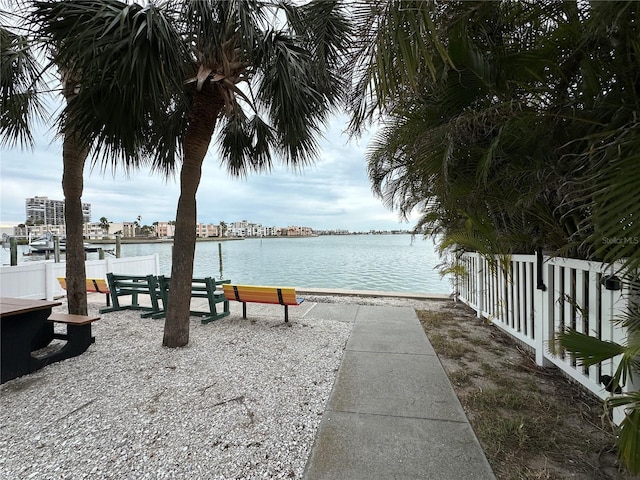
(71, 319)
(200, 288)
(262, 294)
(97, 285)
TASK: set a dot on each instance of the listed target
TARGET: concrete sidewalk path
(392, 413)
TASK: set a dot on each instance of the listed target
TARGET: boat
(46, 244)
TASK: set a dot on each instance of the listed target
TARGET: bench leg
(78, 339)
(108, 299)
(286, 313)
(244, 309)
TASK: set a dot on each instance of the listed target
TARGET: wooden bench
(258, 294)
(133, 285)
(97, 285)
(200, 288)
(78, 337)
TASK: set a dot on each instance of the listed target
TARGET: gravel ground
(242, 400)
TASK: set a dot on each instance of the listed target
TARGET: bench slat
(256, 294)
(71, 319)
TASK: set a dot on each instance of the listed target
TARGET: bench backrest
(203, 286)
(260, 294)
(134, 281)
(98, 285)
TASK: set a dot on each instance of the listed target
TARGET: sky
(333, 193)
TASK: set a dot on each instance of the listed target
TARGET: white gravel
(242, 401)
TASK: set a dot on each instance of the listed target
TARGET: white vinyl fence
(38, 280)
(535, 297)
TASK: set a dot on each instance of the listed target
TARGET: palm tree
(271, 73)
(108, 105)
(291, 79)
(104, 224)
(223, 228)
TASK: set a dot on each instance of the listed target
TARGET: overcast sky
(334, 193)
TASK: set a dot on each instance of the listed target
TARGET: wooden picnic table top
(15, 306)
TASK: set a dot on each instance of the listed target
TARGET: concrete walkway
(392, 413)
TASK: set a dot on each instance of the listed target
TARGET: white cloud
(335, 192)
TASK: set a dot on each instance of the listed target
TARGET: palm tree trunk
(73, 158)
(207, 105)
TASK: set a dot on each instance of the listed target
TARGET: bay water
(396, 263)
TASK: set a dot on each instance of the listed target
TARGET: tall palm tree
(271, 86)
(108, 104)
(264, 75)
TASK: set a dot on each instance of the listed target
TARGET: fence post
(13, 247)
(49, 278)
(540, 312)
(480, 283)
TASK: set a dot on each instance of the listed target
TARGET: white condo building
(42, 211)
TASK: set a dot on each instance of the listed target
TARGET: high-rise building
(42, 211)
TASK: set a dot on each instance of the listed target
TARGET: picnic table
(23, 329)
(27, 325)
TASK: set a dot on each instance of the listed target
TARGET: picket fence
(532, 297)
(38, 280)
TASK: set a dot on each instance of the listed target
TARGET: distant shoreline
(129, 240)
(140, 240)
(111, 241)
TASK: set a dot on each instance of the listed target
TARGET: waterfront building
(165, 229)
(248, 229)
(129, 229)
(207, 230)
(115, 228)
(295, 231)
(244, 229)
(35, 231)
(43, 211)
(270, 231)
(93, 230)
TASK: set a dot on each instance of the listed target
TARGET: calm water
(359, 262)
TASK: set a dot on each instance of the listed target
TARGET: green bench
(200, 288)
(134, 286)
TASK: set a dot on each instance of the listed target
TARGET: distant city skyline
(334, 193)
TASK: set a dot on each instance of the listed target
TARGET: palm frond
(629, 437)
(246, 144)
(398, 45)
(586, 349)
(128, 57)
(21, 86)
